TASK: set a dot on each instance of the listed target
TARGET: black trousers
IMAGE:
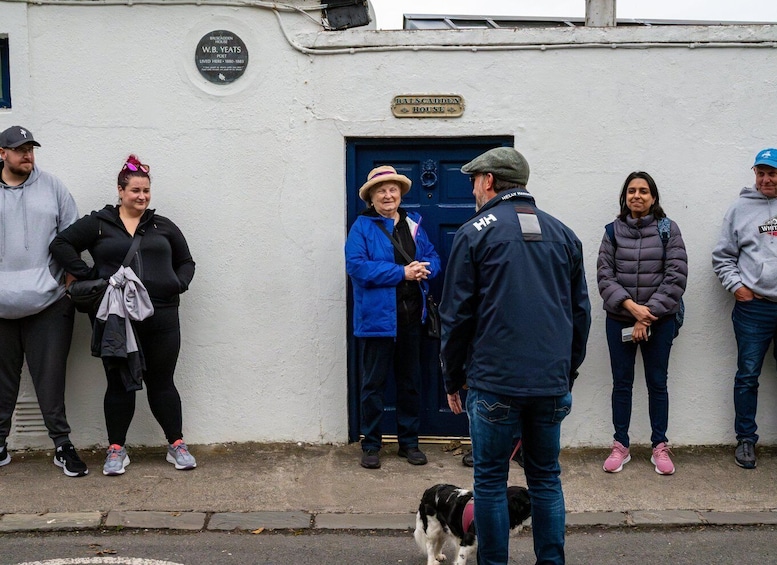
(44, 340)
(160, 339)
(380, 355)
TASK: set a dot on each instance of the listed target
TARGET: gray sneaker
(116, 461)
(745, 454)
(5, 457)
(178, 454)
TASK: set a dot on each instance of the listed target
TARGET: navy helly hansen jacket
(515, 311)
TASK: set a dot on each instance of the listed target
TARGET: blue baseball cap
(766, 157)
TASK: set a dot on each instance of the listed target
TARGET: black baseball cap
(15, 136)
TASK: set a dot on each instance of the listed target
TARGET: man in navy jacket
(515, 320)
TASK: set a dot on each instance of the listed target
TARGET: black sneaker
(5, 457)
(414, 455)
(370, 459)
(468, 460)
(71, 464)
(745, 454)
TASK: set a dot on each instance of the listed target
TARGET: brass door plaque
(427, 106)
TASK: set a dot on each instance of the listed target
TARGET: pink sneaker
(617, 459)
(661, 460)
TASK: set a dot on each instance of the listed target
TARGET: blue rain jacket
(369, 261)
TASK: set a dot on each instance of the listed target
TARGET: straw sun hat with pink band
(383, 174)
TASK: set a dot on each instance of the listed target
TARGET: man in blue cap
(36, 318)
(745, 260)
(515, 319)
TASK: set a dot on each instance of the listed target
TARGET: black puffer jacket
(163, 261)
(636, 268)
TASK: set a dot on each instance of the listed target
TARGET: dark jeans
(494, 421)
(379, 356)
(655, 358)
(160, 338)
(44, 340)
(755, 327)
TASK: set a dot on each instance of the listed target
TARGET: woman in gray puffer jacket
(641, 274)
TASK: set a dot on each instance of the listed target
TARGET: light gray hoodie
(31, 214)
(746, 253)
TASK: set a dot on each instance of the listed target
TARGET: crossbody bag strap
(394, 242)
(132, 250)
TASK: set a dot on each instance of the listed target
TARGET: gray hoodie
(31, 214)
(746, 253)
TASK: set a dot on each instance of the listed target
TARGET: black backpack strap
(664, 226)
(610, 231)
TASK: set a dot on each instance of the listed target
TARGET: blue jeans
(755, 327)
(494, 421)
(379, 356)
(655, 358)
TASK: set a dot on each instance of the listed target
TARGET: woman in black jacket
(165, 266)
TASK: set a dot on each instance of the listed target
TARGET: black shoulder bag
(87, 295)
(432, 312)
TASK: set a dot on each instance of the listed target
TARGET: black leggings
(160, 339)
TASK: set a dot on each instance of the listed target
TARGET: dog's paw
(440, 558)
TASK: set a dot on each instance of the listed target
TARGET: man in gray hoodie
(745, 260)
(36, 318)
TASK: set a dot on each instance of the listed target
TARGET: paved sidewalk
(286, 486)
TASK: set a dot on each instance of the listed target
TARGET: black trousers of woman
(160, 339)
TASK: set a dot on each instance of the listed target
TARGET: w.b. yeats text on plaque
(221, 56)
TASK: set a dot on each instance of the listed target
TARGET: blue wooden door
(443, 197)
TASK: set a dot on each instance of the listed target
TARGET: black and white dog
(446, 511)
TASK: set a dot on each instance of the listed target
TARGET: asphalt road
(688, 546)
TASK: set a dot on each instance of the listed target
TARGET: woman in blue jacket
(389, 308)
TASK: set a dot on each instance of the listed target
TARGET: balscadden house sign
(427, 106)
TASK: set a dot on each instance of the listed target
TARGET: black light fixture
(344, 14)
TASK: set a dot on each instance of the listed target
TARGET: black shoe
(370, 459)
(414, 455)
(67, 458)
(5, 457)
(745, 454)
(468, 460)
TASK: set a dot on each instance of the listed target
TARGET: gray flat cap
(503, 162)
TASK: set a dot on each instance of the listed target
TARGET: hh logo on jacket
(484, 221)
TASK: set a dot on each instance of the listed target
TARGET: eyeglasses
(22, 150)
(473, 177)
(134, 168)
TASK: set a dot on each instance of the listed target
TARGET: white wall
(254, 172)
